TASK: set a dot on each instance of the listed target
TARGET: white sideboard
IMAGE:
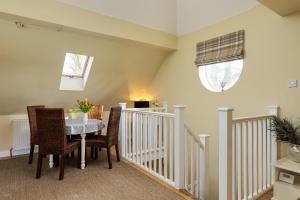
(286, 191)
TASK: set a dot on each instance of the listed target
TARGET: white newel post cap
(123, 105)
(225, 109)
(180, 106)
(273, 110)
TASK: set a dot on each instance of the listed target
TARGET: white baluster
(160, 145)
(255, 152)
(134, 138)
(130, 121)
(268, 153)
(150, 141)
(250, 161)
(165, 146)
(245, 157)
(260, 163)
(192, 178)
(155, 142)
(239, 160)
(171, 149)
(264, 157)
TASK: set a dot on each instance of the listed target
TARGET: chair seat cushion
(71, 146)
(96, 140)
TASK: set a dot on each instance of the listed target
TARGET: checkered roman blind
(221, 49)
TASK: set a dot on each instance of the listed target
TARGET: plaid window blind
(225, 48)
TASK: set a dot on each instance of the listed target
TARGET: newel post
(165, 106)
(273, 110)
(122, 129)
(225, 153)
(179, 146)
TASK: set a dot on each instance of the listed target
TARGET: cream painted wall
(272, 58)
(31, 61)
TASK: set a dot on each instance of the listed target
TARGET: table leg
(51, 161)
(82, 151)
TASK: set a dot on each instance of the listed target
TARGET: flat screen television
(141, 104)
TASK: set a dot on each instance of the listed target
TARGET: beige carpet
(96, 182)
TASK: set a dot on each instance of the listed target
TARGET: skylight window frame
(83, 71)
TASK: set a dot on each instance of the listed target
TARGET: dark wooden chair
(31, 111)
(52, 137)
(111, 138)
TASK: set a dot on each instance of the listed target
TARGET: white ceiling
(156, 14)
(195, 14)
(172, 16)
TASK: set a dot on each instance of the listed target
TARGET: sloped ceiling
(156, 14)
(282, 7)
(31, 61)
(195, 14)
(173, 16)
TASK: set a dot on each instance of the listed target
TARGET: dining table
(81, 127)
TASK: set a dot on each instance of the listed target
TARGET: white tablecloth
(78, 126)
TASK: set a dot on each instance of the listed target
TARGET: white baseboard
(16, 152)
(4, 153)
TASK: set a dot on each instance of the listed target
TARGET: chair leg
(79, 158)
(96, 153)
(109, 158)
(31, 154)
(56, 160)
(62, 167)
(117, 152)
(92, 152)
(39, 166)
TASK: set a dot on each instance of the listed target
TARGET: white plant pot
(294, 153)
(85, 117)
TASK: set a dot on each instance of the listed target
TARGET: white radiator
(21, 137)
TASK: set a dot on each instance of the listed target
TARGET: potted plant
(85, 107)
(286, 131)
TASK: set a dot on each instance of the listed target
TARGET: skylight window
(75, 72)
(75, 65)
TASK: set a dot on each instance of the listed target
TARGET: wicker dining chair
(111, 137)
(52, 137)
(31, 111)
(96, 113)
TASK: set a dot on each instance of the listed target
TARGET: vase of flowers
(286, 131)
(85, 107)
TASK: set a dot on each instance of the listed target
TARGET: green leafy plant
(85, 106)
(285, 130)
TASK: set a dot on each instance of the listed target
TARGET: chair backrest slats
(97, 112)
(51, 130)
(31, 111)
(113, 125)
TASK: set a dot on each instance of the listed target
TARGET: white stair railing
(247, 149)
(155, 141)
(196, 164)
